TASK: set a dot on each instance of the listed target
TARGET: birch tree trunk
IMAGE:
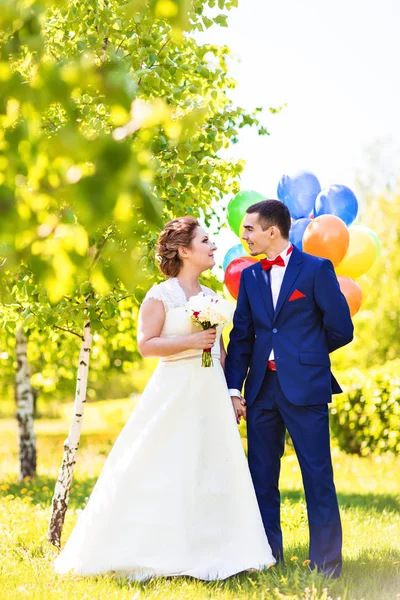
(25, 403)
(71, 444)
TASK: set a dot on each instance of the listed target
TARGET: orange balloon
(365, 285)
(327, 236)
(352, 292)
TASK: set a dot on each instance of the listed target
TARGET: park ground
(369, 496)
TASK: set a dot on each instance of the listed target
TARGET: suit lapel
(265, 289)
(291, 273)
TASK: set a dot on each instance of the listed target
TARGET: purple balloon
(337, 200)
(299, 193)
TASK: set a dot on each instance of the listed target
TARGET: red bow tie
(268, 264)
(278, 261)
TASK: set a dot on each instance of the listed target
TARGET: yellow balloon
(229, 296)
(365, 286)
(225, 334)
(360, 256)
(245, 245)
(228, 328)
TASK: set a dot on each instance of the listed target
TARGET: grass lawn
(369, 496)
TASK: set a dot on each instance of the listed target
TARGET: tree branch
(104, 49)
(62, 328)
(163, 46)
(99, 251)
(69, 331)
(51, 52)
(125, 297)
(124, 39)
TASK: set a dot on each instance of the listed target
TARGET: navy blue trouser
(267, 421)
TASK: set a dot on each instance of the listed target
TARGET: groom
(290, 315)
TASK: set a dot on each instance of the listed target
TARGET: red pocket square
(296, 295)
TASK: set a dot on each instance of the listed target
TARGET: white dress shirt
(277, 274)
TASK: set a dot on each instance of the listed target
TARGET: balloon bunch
(322, 224)
(237, 258)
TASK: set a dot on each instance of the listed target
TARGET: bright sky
(335, 65)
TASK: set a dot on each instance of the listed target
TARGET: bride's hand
(203, 339)
(239, 407)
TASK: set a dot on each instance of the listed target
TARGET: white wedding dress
(175, 496)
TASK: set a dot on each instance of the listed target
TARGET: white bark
(25, 404)
(71, 444)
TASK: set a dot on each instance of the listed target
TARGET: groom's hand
(239, 406)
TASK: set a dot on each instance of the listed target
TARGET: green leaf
(221, 20)
(30, 319)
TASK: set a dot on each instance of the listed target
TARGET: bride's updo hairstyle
(177, 233)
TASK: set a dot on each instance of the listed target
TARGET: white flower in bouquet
(209, 312)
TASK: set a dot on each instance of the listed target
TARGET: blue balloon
(299, 193)
(297, 231)
(235, 252)
(337, 200)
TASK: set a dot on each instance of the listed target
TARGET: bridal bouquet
(209, 312)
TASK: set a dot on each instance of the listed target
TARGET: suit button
(274, 331)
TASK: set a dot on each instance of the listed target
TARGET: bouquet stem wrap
(206, 357)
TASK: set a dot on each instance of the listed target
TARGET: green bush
(365, 419)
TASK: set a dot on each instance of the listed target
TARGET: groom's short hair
(272, 212)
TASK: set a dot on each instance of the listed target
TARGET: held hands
(203, 339)
(239, 406)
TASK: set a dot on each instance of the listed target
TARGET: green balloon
(237, 208)
(377, 242)
(373, 235)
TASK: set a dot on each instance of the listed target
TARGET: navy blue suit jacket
(302, 332)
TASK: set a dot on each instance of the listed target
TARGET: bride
(175, 496)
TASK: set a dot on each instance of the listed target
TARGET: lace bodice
(177, 320)
(171, 293)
